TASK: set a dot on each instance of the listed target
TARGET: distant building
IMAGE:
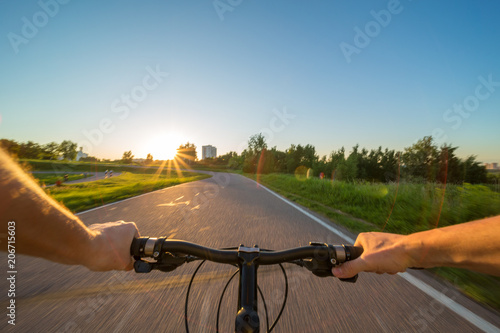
(492, 166)
(80, 154)
(208, 152)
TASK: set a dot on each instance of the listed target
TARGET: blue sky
(226, 73)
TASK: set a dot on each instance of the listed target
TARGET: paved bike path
(225, 210)
(95, 176)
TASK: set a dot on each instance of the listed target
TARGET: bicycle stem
(169, 254)
(247, 318)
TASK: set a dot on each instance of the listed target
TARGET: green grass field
(65, 166)
(52, 178)
(402, 209)
(134, 180)
(82, 196)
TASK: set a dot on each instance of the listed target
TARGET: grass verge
(216, 168)
(70, 166)
(399, 208)
(83, 196)
(402, 209)
(52, 178)
(480, 287)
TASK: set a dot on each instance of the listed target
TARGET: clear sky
(149, 75)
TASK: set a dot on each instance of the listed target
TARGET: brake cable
(269, 329)
(222, 296)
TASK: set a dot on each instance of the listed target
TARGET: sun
(164, 146)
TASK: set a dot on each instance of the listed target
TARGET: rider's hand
(382, 253)
(110, 246)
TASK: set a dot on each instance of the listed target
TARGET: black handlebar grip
(352, 252)
(137, 246)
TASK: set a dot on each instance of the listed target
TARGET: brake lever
(166, 262)
(141, 266)
(351, 279)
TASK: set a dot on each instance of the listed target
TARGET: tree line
(423, 161)
(32, 150)
(68, 150)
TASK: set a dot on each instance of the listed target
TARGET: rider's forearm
(474, 245)
(43, 227)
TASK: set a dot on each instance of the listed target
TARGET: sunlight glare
(164, 146)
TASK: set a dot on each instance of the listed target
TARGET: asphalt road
(95, 176)
(226, 210)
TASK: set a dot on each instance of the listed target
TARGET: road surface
(95, 176)
(226, 210)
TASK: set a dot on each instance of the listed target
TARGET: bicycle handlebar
(148, 247)
(317, 257)
(168, 254)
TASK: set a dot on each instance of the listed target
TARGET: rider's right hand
(382, 253)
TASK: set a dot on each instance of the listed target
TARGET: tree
(257, 143)
(363, 163)
(250, 160)
(223, 159)
(127, 157)
(337, 157)
(390, 165)
(149, 159)
(293, 157)
(321, 166)
(266, 161)
(255, 157)
(29, 150)
(350, 167)
(50, 151)
(11, 146)
(474, 172)
(187, 152)
(309, 156)
(371, 167)
(279, 160)
(68, 149)
(450, 168)
(236, 162)
(420, 160)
